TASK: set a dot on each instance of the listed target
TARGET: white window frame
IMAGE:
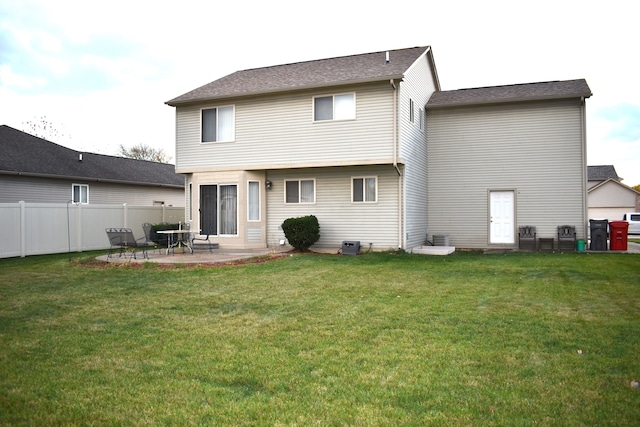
(299, 181)
(411, 110)
(421, 118)
(233, 124)
(190, 201)
(258, 183)
(351, 116)
(80, 186)
(364, 180)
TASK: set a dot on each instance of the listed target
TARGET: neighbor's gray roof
(602, 173)
(25, 154)
(510, 93)
(366, 67)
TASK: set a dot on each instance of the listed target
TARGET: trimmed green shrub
(302, 232)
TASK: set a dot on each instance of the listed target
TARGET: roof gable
(510, 93)
(25, 154)
(344, 70)
(612, 181)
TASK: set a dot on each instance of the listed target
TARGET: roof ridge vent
(386, 60)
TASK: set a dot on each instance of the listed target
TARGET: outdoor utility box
(598, 229)
(350, 247)
(618, 231)
(440, 240)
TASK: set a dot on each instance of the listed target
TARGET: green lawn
(377, 339)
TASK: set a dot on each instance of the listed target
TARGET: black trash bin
(598, 229)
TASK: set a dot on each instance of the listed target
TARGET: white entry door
(501, 217)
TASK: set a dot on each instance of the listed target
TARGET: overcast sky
(101, 72)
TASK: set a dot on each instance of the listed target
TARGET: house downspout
(585, 192)
(395, 160)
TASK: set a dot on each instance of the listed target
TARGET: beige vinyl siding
(49, 190)
(339, 218)
(278, 131)
(535, 149)
(418, 85)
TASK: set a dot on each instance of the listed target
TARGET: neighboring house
(608, 197)
(35, 170)
(507, 156)
(345, 139)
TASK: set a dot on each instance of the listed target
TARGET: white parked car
(633, 219)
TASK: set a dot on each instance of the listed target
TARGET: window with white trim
(364, 189)
(334, 107)
(411, 112)
(300, 191)
(253, 206)
(421, 118)
(218, 124)
(80, 193)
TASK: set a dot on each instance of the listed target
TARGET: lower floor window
(364, 189)
(80, 193)
(302, 191)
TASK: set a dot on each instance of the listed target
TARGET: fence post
(125, 213)
(23, 229)
(79, 228)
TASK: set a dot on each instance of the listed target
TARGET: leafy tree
(636, 187)
(144, 152)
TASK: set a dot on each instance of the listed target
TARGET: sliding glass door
(219, 209)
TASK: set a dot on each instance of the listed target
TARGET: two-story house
(344, 139)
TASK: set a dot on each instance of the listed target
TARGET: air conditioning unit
(441, 240)
(350, 247)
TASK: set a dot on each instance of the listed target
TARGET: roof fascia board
(507, 101)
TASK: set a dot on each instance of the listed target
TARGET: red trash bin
(618, 231)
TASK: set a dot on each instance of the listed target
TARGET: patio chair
(204, 238)
(148, 235)
(566, 238)
(527, 237)
(123, 239)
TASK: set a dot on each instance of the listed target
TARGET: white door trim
(502, 212)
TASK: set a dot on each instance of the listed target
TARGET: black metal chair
(566, 238)
(527, 237)
(148, 235)
(123, 239)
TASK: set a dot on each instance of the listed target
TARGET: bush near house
(302, 232)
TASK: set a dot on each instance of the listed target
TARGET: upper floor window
(302, 191)
(218, 124)
(334, 107)
(365, 189)
(80, 193)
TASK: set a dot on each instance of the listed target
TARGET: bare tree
(144, 152)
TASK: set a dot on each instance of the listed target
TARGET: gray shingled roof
(602, 173)
(510, 93)
(304, 75)
(25, 154)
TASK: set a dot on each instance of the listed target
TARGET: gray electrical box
(350, 247)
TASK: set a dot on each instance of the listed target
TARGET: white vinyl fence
(48, 228)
